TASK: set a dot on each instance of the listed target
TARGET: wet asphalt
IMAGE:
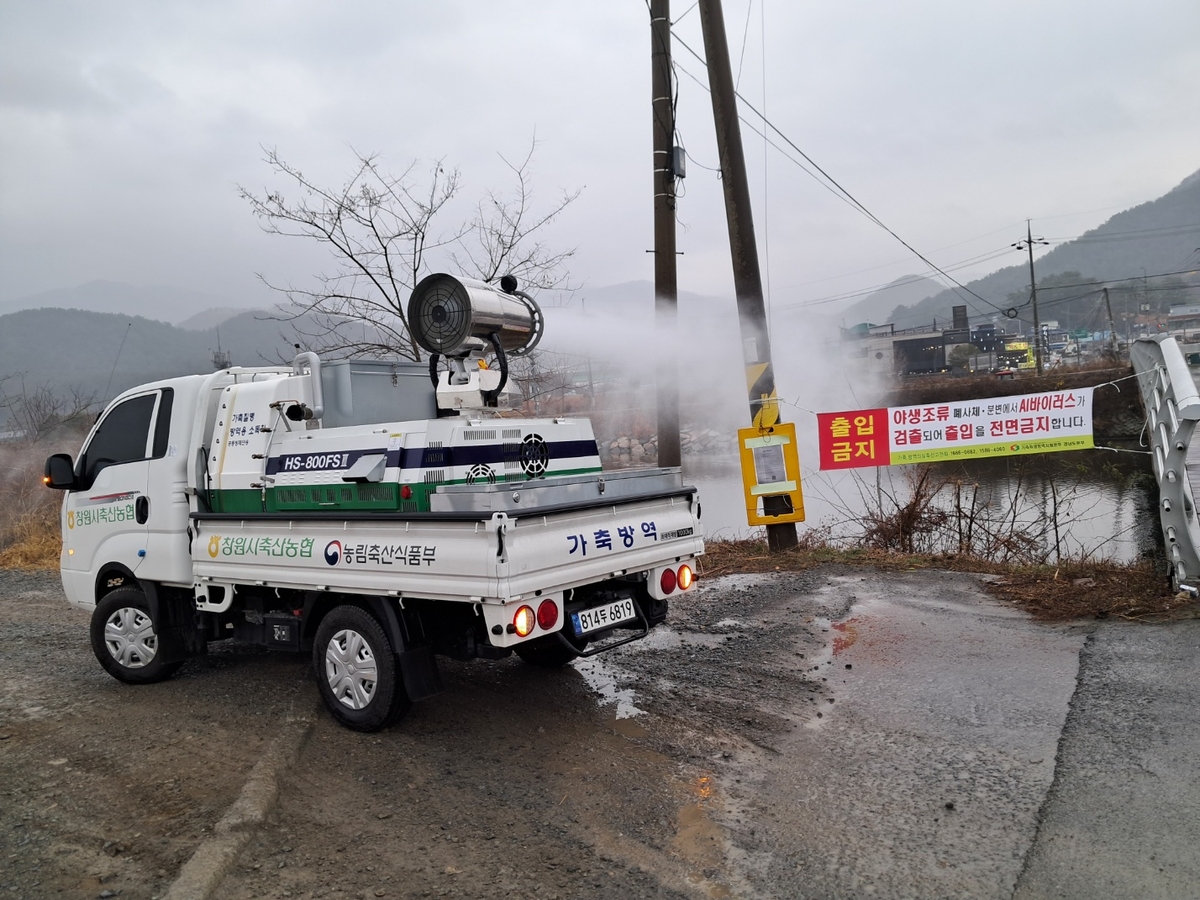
(965, 750)
(1122, 818)
(843, 733)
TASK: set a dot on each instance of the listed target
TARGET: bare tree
(547, 378)
(382, 230)
(39, 413)
(378, 227)
(504, 232)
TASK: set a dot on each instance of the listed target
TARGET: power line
(845, 199)
(897, 262)
(1082, 212)
(984, 257)
(745, 35)
(833, 186)
(841, 190)
(899, 282)
(1103, 281)
(1097, 286)
(683, 15)
(1164, 231)
(761, 134)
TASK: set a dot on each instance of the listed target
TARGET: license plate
(603, 616)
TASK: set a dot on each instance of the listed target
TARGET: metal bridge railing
(1172, 410)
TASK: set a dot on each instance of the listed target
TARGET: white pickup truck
(353, 510)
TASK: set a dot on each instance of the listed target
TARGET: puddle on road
(603, 679)
(699, 840)
(846, 634)
(840, 635)
(628, 728)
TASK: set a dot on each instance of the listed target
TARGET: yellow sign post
(771, 468)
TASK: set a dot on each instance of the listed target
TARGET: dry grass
(32, 543)
(29, 512)
(1069, 591)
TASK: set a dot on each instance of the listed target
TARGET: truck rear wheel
(548, 652)
(356, 670)
(126, 640)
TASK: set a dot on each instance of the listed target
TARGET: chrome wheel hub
(350, 668)
(130, 638)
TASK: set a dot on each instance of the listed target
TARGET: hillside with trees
(1145, 256)
(102, 354)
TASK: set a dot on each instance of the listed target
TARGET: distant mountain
(607, 332)
(159, 302)
(878, 307)
(78, 348)
(1158, 237)
(214, 317)
(83, 348)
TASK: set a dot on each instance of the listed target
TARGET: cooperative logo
(214, 546)
(1015, 448)
(70, 518)
(333, 552)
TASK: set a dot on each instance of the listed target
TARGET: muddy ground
(830, 733)
(516, 781)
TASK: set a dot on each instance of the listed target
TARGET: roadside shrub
(29, 512)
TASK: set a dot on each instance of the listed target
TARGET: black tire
(126, 639)
(356, 671)
(547, 652)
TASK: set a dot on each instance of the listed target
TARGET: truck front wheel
(355, 667)
(126, 640)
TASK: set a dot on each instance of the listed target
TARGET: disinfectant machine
(374, 513)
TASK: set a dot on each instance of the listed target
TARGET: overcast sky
(126, 127)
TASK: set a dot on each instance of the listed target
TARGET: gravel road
(838, 733)
(105, 786)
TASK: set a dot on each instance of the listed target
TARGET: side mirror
(59, 473)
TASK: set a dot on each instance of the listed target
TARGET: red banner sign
(958, 429)
(852, 439)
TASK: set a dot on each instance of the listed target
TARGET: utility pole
(1027, 244)
(1112, 328)
(591, 380)
(1144, 306)
(747, 279)
(666, 287)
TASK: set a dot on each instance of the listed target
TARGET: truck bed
(486, 543)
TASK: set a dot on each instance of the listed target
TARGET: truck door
(106, 514)
(168, 558)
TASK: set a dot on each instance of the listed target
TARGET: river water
(1094, 503)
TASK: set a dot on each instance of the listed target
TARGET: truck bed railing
(481, 515)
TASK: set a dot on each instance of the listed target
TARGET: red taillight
(547, 616)
(667, 581)
(685, 577)
(406, 493)
(524, 621)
